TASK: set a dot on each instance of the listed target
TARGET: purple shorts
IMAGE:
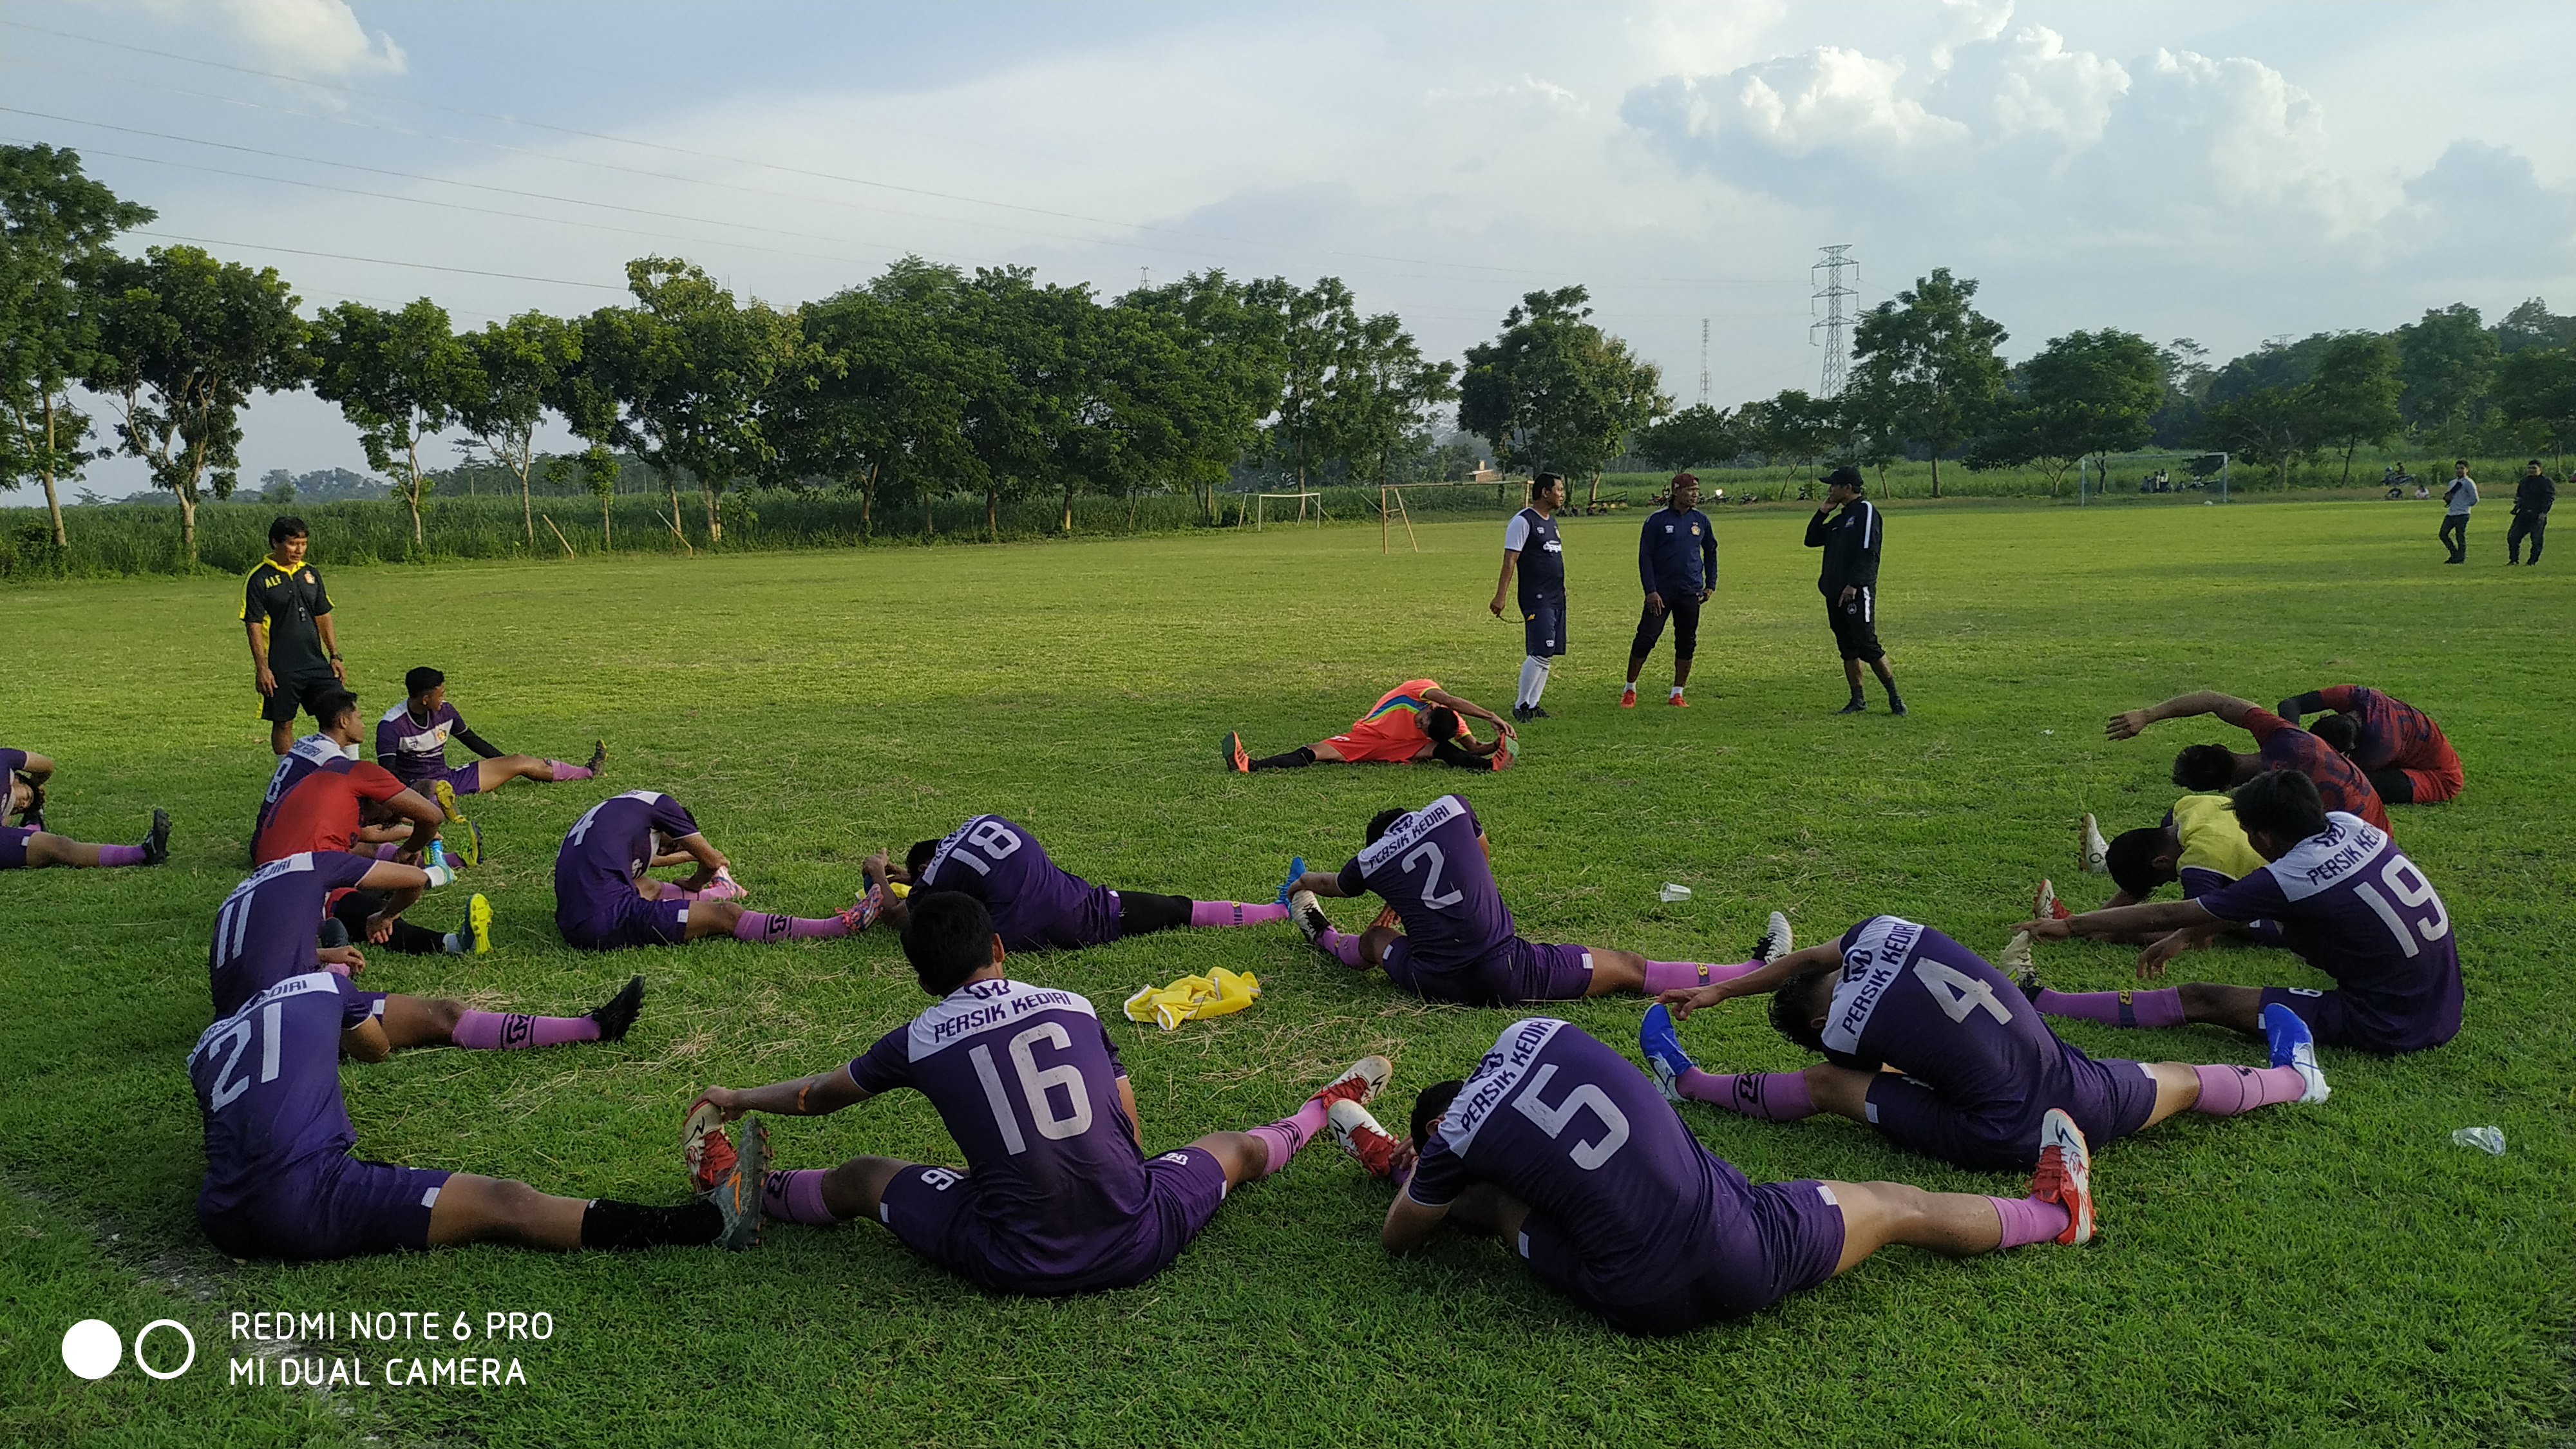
(1511, 973)
(13, 846)
(2109, 1099)
(631, 921)
(931, 1210)
(331, 1207)
(1769, 1240)
(465, 779)
(2330, 1015)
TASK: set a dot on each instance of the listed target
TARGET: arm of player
(816, 1096)
(2298, 706)
(259, 670)
(38, 768)
(1471, 708)
(1409, 1224)
(1685, 1000)
(425, 818)
(1511, 560)
(2155, 916)
(366, 1042)
(710, 860)
(1325, 883)
(2128, 724)
(877, 872)
(464, 735)
(1127, 1100)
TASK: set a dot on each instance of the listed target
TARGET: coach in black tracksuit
(2532, 498)
(1677, 566)
(1851, 539)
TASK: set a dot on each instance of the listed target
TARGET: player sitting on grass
(27, 845)
(2405, 754)
(1416, 720)
(1562, 1148)
(411, 741)
(265, 933)
(1458, 942)
(1979, 1066)
(605, 902)
(2347, 901)
(2199, 844)
(1058, 1195)
(2280, 744)
(282, 1181)
(1035, 903)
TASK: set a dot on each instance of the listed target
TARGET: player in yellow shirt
(2199, 844)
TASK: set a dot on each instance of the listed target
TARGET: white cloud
(1967, 21)
(316, 39)
(2034, 84)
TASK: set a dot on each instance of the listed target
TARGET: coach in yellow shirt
(294, 653)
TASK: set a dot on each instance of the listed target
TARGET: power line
(208, 241)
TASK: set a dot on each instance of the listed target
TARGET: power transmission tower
(1834, 262)
(1703, 362)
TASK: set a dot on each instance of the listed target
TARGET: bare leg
(1851, 672)
(1878, 666)
(1681, 670)
(1875, 1214)
(473, 1209)
(712, 918)
(2236, 1007)
(281, 737)
(491, 775)
(45, 848)
(1324, 751)
(412, 1021)
(1373, 945)
(1245, 1157)
(1636, 666)
(2177, 1088)
(1841, 1091)
(853, 1189)
(1615, 971)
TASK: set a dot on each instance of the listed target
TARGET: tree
(2445, 362)
(2084, 393)
(55, 224)
(2532, 325)
(1924, 368)
(1382, 394)
(1554, 391)
(182, 342)
(1230, 333)
(2352, 398)
(518, 364)
(597, 468)
(1696, 434)
(2270, 427)
(1315, 329)
(399, 377)
(2536, 388)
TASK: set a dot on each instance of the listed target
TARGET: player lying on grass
(411, 741)
(1416, 720)
(604, 901)
(1058, 1195)
(1035, 903)
(27, 845)
(1979, 1068)
(1458, 942)
(282, 1180)
(265, 933)
(2280, 744)
(2405, 754)
(2347, 901)
(26, 774)
(1562, 1148)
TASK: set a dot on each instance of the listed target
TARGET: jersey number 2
(1034, 1084)
(1554, 1120)
(1432, 895)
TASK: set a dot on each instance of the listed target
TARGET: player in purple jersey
(1979, 1066)
(1038, 905)
(604, 901)
(282, 1182)
(1058, 1195)
(267, 931)
(1562, 1148)
(2347, 901)
(1458, 942)
(411, 741)
(28, 845)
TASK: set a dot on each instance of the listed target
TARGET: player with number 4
(2348, 902)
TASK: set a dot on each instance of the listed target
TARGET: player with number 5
(2347, 900)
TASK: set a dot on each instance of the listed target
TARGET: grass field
(2336, 1274)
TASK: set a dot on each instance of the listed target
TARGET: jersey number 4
(1034, 1084)
(2412, 891)
(1428, 854)
(1958, 992)
(1554, 1120)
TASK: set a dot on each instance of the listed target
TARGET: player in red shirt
(2280, 745)
(2398, 746)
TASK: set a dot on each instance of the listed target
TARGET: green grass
(2339, 1273)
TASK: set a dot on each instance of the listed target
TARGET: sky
(2223, 172)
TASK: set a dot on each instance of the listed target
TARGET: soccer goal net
(2152, 477)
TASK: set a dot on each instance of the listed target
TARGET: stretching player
(1058, 1195)
(265, 933)
(1416, 720)
(325, 813)
(2280, 745)
(2199, 844)
(2401, 749)
(605, 902)
(411, 741)
(2347, 901)
(27, 845)
(1458, 942)
(32, 771)
(282, 1180)
(1037, 904)
(1979, 1066)
(1558, 1145)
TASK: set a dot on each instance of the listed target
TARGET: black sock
(1458, 758)
(1289, 761)
(1140, 913)
(608, 1223)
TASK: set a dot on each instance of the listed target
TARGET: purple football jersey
(12, 761)
(267, 1078)
(415, 750)
(1026, 1080)
(1034, 903)
(265, 931)
(2352, 904)
(607, 850)
(1914, 999)
(311, 753)
(1572, 1128)
(1430, 866)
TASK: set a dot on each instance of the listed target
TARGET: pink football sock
(120, 855)
(564, 772)
(1290, 1133)
(2115, 1008)
(1345, 949)
(2226, 1091)
(796, 1197)
(2028, 1220)
(763, 927)
(1235, 913)
(1663, 976)
(1770, 1096)
(493, 1031)
(388, 850)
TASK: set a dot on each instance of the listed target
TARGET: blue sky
(2225, 172)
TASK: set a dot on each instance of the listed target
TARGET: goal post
(1261, 503)
(2156, 476)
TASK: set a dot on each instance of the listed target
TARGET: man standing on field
(2532, 499)
(294, 653)
(2457, 500)
(1530, 544)
(1851, 540)
(1677, 564)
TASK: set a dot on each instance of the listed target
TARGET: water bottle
(2489, 1140)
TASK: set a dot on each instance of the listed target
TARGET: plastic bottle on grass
(2489, 1140)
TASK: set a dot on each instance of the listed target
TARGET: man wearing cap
(1851, 537)
(1677, 563)
(1531, 548)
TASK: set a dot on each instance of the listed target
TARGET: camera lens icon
(92, 1349)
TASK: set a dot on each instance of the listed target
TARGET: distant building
(1485, 472)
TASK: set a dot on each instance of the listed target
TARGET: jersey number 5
(1034, 1083)
(1958, 992)
(2413, 891)
(1432, 895)
(1554, 1120)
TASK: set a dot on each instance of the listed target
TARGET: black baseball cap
(1846, 476)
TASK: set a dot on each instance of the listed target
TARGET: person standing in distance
(1851, 539)
(1531, 546)
(1677, 564)
(2532, 498)
(2457, 500)
(294, 653)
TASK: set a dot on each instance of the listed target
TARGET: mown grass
(2336, 1273)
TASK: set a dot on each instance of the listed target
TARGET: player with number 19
(1036, 904)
